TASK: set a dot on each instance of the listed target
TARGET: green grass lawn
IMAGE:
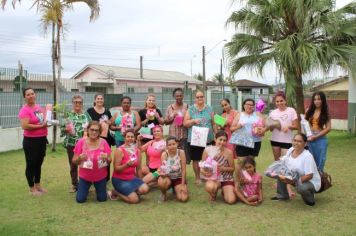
(57, 213)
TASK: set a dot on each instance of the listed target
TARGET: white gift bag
(199, 136)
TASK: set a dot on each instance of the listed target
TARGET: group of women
(87, 138)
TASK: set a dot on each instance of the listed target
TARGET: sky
(169, 34)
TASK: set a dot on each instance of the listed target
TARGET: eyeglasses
(77, 102)
(197, 97)
(94, 130)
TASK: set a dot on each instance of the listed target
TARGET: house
(244, 85)
(118, 80)
(336, 92)
(251, 87)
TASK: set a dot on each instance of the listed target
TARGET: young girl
(251, 182)
(173, 171)
(319, 119)
(223, 157)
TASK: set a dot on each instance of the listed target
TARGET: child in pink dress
(251, 182)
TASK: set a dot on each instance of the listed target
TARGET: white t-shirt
(286, 118)
(304, 164)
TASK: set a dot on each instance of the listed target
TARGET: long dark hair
(324, 112)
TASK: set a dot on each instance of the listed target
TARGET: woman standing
(92, 154)
(153, 149)
(150, 115)
(281, 140)
(72, 131)
(200, 115)
(245, 120)
(124, 120)
(301, 161)
(224, 158)
(174, 118)
(229, 114)
(32, 118)
(127, 175)
(103, 116)
(319, 119)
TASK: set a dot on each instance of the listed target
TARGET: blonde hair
(150, 95)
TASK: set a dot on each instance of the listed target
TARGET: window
(39, 90)
(130, 90)
(95, 89)
(74, 90)
(167, 90)
(151, 90)
(261, 91)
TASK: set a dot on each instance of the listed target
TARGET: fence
(11, 102)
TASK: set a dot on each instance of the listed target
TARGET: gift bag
(199, 136)
(219, 120)
(146, 132)
(278, 168)
(242, 138)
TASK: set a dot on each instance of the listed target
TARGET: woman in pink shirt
(281, 140)
(127, 174)
(229, 114)
(92, 155)
(153, 149)
(32, 118)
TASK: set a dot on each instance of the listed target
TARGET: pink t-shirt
(154, 152)
(251, 188)
(286, 118)
(92, 169)
(36, 115)
(130, 172)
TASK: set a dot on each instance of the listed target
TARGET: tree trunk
(54, 59)
(299, 95)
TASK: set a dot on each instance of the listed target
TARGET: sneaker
(310, 203)
(278, 199)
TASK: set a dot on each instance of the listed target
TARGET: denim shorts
(126, 187)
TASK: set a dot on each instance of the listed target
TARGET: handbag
(326, 181)
(242, 138)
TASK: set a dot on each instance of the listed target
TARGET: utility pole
(141, 67)
(222, 78)
(204, 79)
(20, 74)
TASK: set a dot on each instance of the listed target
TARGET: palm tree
(218, 78)
(52, 12)
(298, 36)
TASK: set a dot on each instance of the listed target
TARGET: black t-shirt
(106, 115)
(142, 114)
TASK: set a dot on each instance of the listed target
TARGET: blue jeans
(318, 149)
(83, 190)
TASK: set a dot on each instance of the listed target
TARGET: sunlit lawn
(57, 213)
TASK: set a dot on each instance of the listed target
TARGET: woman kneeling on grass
(154, 150)
(173, 171)
(302, 162)
(92, 155)
(221, 157)
(127, 169)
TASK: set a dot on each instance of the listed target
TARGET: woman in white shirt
(302, 162)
